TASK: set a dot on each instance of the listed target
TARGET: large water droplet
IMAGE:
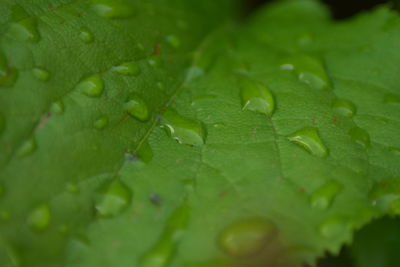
(24, 27)
(392, 99)
(360, 136)
(161, 254)
(184, 130)
(334, 227)
(86, 35)
(112, 198)
(40, 218)
(247, 238)
(27, 147)
(173, 41)
(2, 124)
(57, 107)
(127, 68)
(112, 8)
(8, 75)
(344, 107)
(256, 97)
(92, 86)
(323, 197)
(41, 74)
(309, 70)
(308, 138)
(385, 192)
(145, 153)
(137, 108)
(101, 122)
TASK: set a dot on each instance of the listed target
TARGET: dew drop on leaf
(27, 147)
(246, 238)
(392, 99)
(127, 68)
(308, 138)
(137, 108)
(41, 74)
(322, 197)
(101, 122)
(384, 193)
(40, 217)
(57, 107)
(91, 86)
(112, 198)
(360, 136)
(86, 35)
(26, 30)
(112, 8)
(344, 107)
(256, 97)
(154, 61)
(8, 75)
(184, 130)
(333, 227)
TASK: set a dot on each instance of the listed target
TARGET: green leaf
(187, 140)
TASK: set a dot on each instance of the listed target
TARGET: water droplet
(41, 74)
(8, 75)
(154, 61)
(57, 107)
(2, 124)
(128, 68)
(86, 35)
(173, 41)
(308, 138)
(92, 86)
(385, 192)
(155, 199)
(101, 122)
(360, 136)
(322, 197)
(392, 99)
(72, 188)
(27, 147)
(161, 254)
(145, 153)
(26, 30)
(137, 108)
(112, 198)
(344, 107)
(309, 70)
(247, 238)
(333, 227)
(112, 8)
(40, 218)
(183, 130)
(256, 97)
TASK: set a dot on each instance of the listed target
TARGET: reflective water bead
(308, 138)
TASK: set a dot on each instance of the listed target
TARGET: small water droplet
(72, 188)
(183, 130)
(308, 138)
(256, 97)
(323, 197)
(41, 74)
(26, 30)
(137, 108)
(112, 8)
(8, 75)
(360, 136)
(333, 227)
(128, 68)
(101, 122)
(154, 61)
(385, 192)
(2, 124)
(162, 252)
(86, 35)
(145, 153)
(173, 41)
(112, 198)
(391, 99)
(40, 218)
(57, 107)
(91, 86)
(155, 199)
(246, 238)
(309, 70)
(27, 147)
(344, 107)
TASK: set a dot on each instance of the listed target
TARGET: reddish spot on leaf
(223, 193)
(157, 49)
(334, 119)
(302, 190)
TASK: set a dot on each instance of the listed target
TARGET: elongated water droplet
(137, 108)
(392, 99)
(128, 68)
(86, 35)
(101, 122)
(112, 198)
(256, 97)
(27, 147)
(154, 61)
(161, 254)
(8, 75)
(322, 197)
(25, 30)
(360, 136)
(57, 107)
(112, 8)
(40, 218)
(92, 86)
(344, 107)
(2, 124)
(184, 130)
(385, 192)
(173, 41)
(41, 74)
(334, 227)
(308, 138)
(145, 153)
(247, 238)
(309, 70)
